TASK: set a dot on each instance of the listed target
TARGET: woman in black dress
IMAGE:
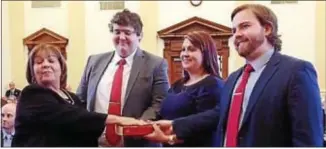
(48, 115)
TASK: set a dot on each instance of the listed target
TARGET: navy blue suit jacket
(284, 108)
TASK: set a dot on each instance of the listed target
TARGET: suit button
(240, 138)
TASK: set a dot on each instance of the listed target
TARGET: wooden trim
(195, 19)
(47, 36)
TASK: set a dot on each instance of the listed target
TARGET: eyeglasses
(126, 32)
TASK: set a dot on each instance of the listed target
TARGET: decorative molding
(111, 5)
(36, 38)
(46, 4)
(45, 35)
(284, 2)
(175, 30)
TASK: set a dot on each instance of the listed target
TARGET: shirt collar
(129, 59)
(261, 61)
(6, 134)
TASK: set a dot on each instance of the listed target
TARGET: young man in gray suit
(143, 77)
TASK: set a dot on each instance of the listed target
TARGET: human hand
(165, 126)
(157, 135)
(102, 142)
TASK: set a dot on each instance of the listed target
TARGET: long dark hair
(206, 44)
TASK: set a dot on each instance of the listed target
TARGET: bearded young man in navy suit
(273, 100)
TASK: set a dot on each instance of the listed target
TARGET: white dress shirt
(12, 94)
(7, 138)
(103, 91)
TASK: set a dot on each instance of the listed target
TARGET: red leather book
(134, 130)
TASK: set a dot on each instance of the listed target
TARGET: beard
(249, 45)
(245, 49)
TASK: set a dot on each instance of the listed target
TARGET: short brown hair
(47, 48)
(206, 44)
(265, 16)
(127, 18)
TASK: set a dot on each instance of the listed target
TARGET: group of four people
(273, 100)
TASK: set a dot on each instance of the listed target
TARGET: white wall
(97, 32)
(171, 12)
(5, 48)
(54, 19)
(296, 23)
(297, 27)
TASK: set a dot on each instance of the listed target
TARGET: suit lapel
(266, 75)
(102, 64)
(134, 72)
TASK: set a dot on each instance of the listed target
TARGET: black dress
(45, 119)
(183, 101)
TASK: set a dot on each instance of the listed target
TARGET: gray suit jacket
(147, 86)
